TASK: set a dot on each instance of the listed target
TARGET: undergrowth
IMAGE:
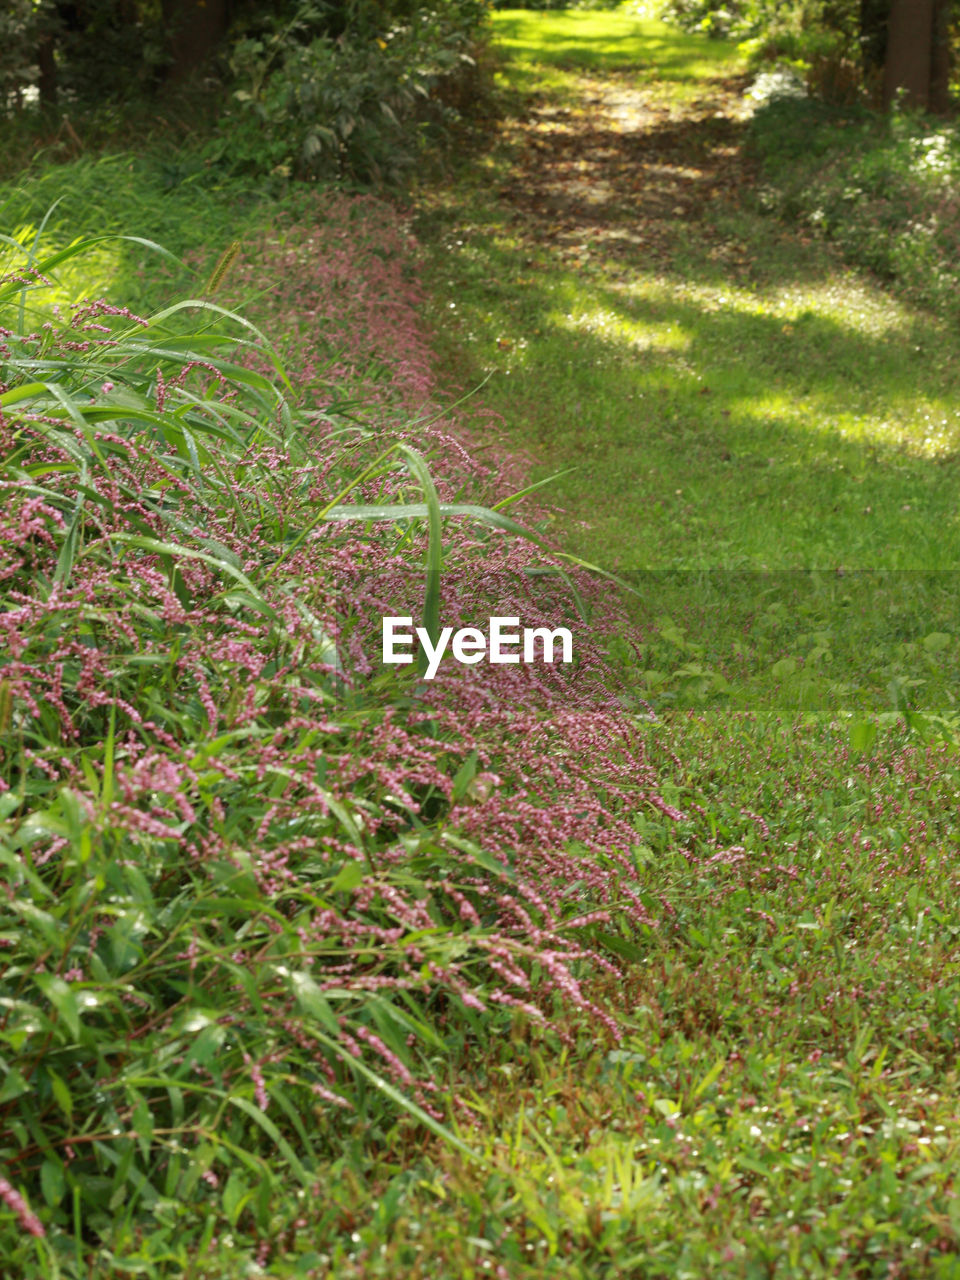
(314, 967)
(260, 888)
(883, 188)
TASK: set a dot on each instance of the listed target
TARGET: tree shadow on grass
(723, 435)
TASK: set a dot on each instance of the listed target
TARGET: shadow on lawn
(726, 391)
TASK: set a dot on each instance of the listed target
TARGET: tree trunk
(940, 63)
(194, 30)
(47, 79)
(909, 58)
(872, 38)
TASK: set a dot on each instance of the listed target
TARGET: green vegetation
(308, 974)
(886, 190)
(171, 199)
(729, 404)
(738, 406)
(784, 1100)
(346, 90)
(716, 380)
(228, 894)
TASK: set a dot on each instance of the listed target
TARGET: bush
(258, 888)
(360, 106)
(885, 189)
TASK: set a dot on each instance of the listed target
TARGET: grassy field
(715, 381)
(292, 989)
(729, 407)
(717, 393)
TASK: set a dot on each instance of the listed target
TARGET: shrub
(885, 189)
(357, 106)
(259, 888)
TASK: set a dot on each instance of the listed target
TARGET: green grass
(174, 200)
(783, 1102)
(739, 408)
(721, 393)
(771, 410)
(536, 46)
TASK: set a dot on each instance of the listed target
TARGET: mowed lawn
(728, 407)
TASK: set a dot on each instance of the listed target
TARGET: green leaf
(107, 791)
(52, 1182)
(62, 1094)
(478, 855)
(276, 1137)
(863, 733)
(394, 1094)
(464, 776)
(236, 1193)
(420, 510)
(175, 549)
(29, 391)
(13, 1085)
(712, 1075)
(311, 1000)
(619, 946)
(531, 488)
(142, 1124)
(348, 877)
(937, 641)
(431, 598)
(61, 996)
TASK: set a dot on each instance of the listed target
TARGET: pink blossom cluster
(258, 732)
(14, 1201)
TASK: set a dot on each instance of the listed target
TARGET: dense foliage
(360, 105)
(886, 190)
(258, 884)
(308, 89)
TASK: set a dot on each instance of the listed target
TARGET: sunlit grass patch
(177, 203)
(88, 275)
(607, 40)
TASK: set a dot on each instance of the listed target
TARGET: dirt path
(711, 385)
(616, 174)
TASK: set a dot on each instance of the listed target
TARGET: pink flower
(15, 1201)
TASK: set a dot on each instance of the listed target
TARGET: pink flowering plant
(257, 885)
